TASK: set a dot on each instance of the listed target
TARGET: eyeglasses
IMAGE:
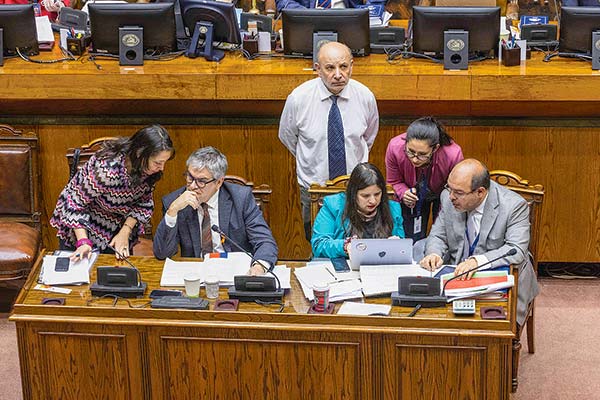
(201, 183)
(421, 157)
(457, 193)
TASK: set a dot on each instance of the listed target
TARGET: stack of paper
(224, 268)
(77, 274)
(382, 279)
(481, 283)
(352, 308)
(317, 274)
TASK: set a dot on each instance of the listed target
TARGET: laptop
(380, 252)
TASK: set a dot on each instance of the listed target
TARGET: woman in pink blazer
(47, 7)
(418, 163)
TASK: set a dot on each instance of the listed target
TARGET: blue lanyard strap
(474, 245)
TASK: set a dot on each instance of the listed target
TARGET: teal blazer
(328, 231)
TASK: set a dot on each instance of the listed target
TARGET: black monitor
(17, 22)
(302, 26)
(156, 19)
(211, 21)
(576, 27)
(482, 23)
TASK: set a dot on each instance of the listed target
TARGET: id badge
(37, 9)
(417, 224)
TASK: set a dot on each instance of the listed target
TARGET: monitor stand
(456, 49)
(319, 39)
(596, 50)
(1, 47)
(205, 29)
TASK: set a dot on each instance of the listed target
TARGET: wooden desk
(103, 352)
(539, 120)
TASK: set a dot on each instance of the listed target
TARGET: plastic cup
(192, 285)
(212, 286)
(321, 293)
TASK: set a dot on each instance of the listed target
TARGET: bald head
(334, 66)
(469, 183)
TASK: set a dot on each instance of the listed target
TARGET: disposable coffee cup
(192, 285)
(321, 293)
(211, 284)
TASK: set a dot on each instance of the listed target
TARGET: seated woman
(417, 164)
(46, 7)
(363, 211)
(110, 198)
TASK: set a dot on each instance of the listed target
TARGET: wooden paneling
(242, 365)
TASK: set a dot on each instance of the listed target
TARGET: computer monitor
(156, 19)
(303, 29)
(17, 22)
(576, 27)
(212, 21)
(482, 24)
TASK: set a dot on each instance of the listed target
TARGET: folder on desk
(77, 274)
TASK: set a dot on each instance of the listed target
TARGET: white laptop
(380, 252)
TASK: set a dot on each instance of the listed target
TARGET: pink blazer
(401, 174)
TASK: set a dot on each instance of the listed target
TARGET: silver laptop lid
(380, 252)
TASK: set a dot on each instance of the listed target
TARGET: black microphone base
(248, 296)
(405, 300)
(126, 291)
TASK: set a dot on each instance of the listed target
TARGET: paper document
(482, 282)
(339, 276)
(318, 274)
(353, 308)
(382, 279)
(78, 272)
(44, 29)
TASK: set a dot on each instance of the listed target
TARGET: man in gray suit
(478, 222)
(190, 212)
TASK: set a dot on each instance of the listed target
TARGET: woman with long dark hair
(110, 198)
(363, 211)
(418, 163)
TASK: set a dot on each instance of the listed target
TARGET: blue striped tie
(335, 140)
(324, 4)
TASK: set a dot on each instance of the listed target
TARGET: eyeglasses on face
(457, 193)
(419, 156)
(201, 183)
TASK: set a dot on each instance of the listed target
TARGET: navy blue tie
(335, 141)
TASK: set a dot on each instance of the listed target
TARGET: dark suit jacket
(239, 218)
(580, 3)
(281, 4)
(504, 225)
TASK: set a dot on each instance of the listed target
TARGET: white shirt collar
(213, 202)
(324, 93)
(481, 207)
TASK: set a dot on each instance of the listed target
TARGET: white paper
(284, 274)
(339, 276)
(382, 279)
(317, 274)
(264, 42)
(354, 308)
(77, 274)
(523, 45)
(174, 271)
(44, 29)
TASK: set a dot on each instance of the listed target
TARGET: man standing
(328, 123)
(478, 222)
(207, 200)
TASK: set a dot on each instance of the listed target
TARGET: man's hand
(464, 266)
(256, 269)
(410, 198)
(187, 198)
(431, 262)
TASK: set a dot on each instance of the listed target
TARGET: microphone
(510, 252)
(117, 281)
(256, 288)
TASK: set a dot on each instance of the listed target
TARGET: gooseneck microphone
(248, 283)
(510, 252)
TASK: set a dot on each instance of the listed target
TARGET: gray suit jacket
(504, 225)
(239, 218)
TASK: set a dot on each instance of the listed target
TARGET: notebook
(380, 252)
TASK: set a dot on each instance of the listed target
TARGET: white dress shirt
(474, 219)
(213, 212)
(303, 127)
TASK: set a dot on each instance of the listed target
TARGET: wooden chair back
(20, 197)
(534, 195)
(262, 193)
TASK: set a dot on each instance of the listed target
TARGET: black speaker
(595, 50)
(388, 37)
(131, 45)
(539, 34)
(456, 49)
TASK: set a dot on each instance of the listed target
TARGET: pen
(415, 310)
(331, 273)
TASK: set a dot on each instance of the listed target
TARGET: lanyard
(422, 190)
(474, 245)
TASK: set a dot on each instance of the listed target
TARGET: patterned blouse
(101, 194)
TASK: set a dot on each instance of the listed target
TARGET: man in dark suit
(207, 200)
(581, 3)
(281, 4)
(478, 222)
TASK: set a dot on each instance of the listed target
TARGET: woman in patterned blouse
(110, 198)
